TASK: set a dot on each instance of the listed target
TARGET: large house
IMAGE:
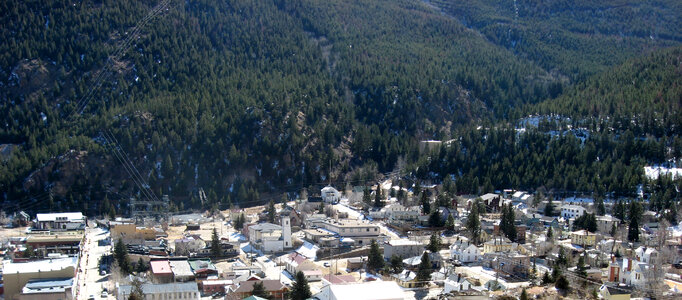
(17, 275)
(330, 195)
(464, 252)
(572, 211)
(360, 233)
(457, 283)
(295, 263)
(269, 237)
(403, 248)
(583, 238)
(372, 290)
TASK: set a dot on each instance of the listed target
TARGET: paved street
(89, 280)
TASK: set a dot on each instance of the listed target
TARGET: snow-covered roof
(46, 265)
(374, 290)
(71, 217)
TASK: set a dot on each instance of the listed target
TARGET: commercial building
(175, 291)
(130, 233)
(60, 221)
(403, 248)
(373, 290)
(67, 242)
(48, 289)
(17, 275)
(360, 233)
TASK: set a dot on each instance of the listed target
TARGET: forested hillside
(573, 38)
(250, 99)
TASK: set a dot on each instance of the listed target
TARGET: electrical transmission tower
(159, 209)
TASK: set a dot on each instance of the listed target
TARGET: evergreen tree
(259, 290)
(396, 264)
(619, 211)
(524, 295)
(601, 210)
(550, 233)
(375, 261)
(450, 223)
(215, 245)
(378, 198)
(121, 256)
(366, 197)
(561, 283)
(435, 219)
(424, 269)
(239, 222)
(434, 243)
(141, 266)
(507, 222)
(546, 279)
(271, 211)
(633, 230)
(614, 229)
(580, 267)
(29, 252)
(549, 208)
(300, 290)
(474, 224)
(426, 204)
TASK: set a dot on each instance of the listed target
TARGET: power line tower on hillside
(140, 209)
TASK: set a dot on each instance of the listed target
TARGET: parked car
(104, 294)
(91, 297)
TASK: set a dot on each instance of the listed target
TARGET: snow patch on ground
(652, 172)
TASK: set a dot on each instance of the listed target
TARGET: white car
(104, 294)
(91, 297)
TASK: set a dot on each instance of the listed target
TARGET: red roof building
(161, 270)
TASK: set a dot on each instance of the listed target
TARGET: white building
(361, 233)
(572, 211)
(269, 237)
(464, 252)
(647, 255)
(457, 283)
(605, 223)
(60, 221)
(330, 195)
(403, 248)
(175, 291)
(372, 290)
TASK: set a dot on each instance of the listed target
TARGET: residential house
(274, 288)
(60, 221)
(464, 252)
(572, 211)
(583, 238)
(497, 245)
(647, 255)
(492, 201)
(175, 291)
(321, 237)
(614, 292)
(354, 263)
(605, 223)
(402, 248)
(295, 263)
(457, 283)
(330, 195)
(406, 279)
(48, 289)
(413, 262)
